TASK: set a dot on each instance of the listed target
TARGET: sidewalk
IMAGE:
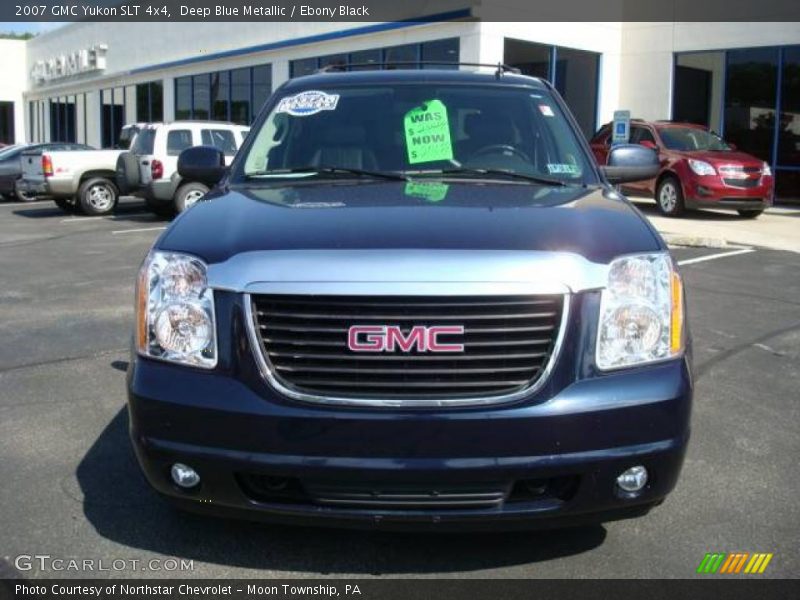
(777, 228)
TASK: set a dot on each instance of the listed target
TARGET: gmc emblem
(389, 338)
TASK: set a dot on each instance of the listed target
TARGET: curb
(673, 239)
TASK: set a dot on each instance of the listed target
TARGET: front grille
(508, 342)
(742, 183)
(411, 496)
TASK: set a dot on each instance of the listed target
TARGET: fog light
(633, 480)
(184, 476)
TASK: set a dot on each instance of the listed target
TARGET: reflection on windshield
(689, 139)
(425, 130)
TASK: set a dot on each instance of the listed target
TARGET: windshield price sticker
(563, 169)
(307, 103)
(427, 133)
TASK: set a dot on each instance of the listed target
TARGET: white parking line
(137, 230)
(24, 204)
(691, 261)
(106, 218)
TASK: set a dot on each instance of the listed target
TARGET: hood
(718, 159)
(591, 222)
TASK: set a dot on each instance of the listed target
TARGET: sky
(22, 27)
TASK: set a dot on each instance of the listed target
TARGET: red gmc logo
(389, 338)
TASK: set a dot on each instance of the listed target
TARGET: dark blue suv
(413, 300)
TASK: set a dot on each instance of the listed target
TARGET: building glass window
(112, 115)
(62, 119)
(698, 89)
(303, 66)
(262, 87)
(531, 59)
(789, 129)
(234, 95)
(334, 60)
(400, 56)
(220, 95)
(240, 96)
(441, 51)
(150, 102)
(406, 57)
(365, 58)
(750, 99)
(201, 96)
(574, 73)
(7, 122)
(737, 92)
(183, 98)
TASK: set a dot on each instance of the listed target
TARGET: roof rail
(501, 68)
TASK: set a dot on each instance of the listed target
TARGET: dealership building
(83, 81)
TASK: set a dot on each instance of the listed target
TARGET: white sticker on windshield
(563, 169)
(307, 103)
(546, 110)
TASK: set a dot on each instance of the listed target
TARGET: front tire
(188, 194)
(669, 197)
(98, 196)
(750, 214)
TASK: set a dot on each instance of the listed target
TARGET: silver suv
(150, 169)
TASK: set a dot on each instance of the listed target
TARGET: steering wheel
(501, 149)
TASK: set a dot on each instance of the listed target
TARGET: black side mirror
(205, 164)
(631, 162)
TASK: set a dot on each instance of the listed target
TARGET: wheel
(188, 194)
(669, 197)
(127, 170)
(750, 214)
(23, 196)
(97, 196)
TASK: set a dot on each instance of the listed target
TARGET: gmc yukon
(412, 301)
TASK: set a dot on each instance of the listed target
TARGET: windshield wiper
(490, 172)
(332, 171)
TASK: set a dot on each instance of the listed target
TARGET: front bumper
(713, 192)
(574, 436)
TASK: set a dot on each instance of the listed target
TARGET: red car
(698, 169)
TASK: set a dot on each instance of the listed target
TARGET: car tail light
(156, 169)
(47, 165)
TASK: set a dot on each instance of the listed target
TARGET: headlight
(701, 167)
(765, 170)
(175, 310)
(641, 312)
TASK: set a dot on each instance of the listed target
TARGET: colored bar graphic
(734, 562)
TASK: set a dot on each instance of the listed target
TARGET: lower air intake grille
(507, 344)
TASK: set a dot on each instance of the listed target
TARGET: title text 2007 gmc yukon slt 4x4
(412, 301)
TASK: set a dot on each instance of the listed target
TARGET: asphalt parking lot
(70, 488)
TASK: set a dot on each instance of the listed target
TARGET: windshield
(691, 139)
(418, 130)
(10, 151)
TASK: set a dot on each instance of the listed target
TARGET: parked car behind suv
(698, 169)
(11, 165)
(78, 179)
(150, 168)
(414, 300)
